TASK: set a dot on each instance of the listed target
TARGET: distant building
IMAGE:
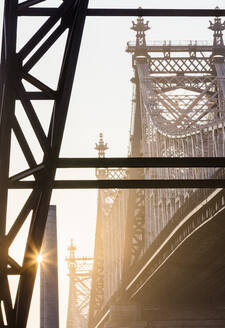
(49, 311)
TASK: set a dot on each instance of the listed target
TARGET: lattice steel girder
(97, 284)
(180, 65)
(71, 16)
(80, 274)
(192, 83)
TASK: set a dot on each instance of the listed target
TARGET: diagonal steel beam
(55, 14)
(16, 268)
(29, 3)
(33, 118)
(23, 143)
(45, 46)
(27, 173)
(21, 218)
(38, 84)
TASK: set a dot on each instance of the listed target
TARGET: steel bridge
(172, 137)
(159, 253)
(80, 271)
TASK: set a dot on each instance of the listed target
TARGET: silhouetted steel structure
(80, 273)
(15, 76)
(149, 241)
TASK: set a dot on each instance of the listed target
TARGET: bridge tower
(217, 27)
(80, 272)
(149, 242)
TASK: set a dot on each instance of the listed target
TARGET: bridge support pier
(125, 316)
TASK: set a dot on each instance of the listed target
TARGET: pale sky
(101, 102)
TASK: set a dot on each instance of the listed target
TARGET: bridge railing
(174, 43)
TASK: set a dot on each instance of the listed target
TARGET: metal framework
(80, 273)
(16, 74)
(15, 69)
(178, 113)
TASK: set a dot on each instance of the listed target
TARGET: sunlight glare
(39, 258)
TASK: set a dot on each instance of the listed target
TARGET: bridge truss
(178, 112)
(80, 273)
(19, 89)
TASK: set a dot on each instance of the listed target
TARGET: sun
(39, 258)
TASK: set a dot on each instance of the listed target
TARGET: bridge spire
(101, 146)
(80, 270)
(218, 27)
(72, 313)
(140, 27)
(71, 259)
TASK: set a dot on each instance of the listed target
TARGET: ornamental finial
(71, 259)
(101, 146)
(140, 27)
(217, 26)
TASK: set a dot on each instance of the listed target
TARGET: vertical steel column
(9, 73)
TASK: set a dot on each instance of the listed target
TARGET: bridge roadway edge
(201, 229)
(208, 214)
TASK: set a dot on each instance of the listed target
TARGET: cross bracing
(80, 273)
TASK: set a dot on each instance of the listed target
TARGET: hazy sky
(101, 102)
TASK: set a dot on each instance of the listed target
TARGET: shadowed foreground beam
(125, 184)
(128, 12)
(156, 12)
(141, 162)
